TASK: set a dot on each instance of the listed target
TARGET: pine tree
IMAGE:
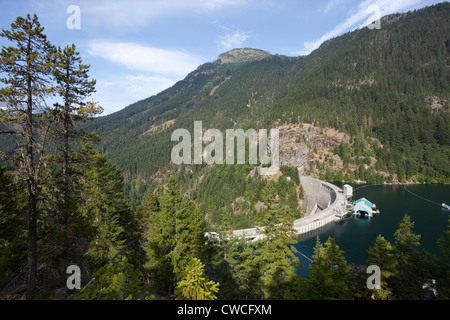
(329, 276)
(276, 253)
(148, 207)
(382, 256)
(318, 275)
(413, 265)
(117, 280)
(195, 285)
(104, 203)
(73, 87)
(443, 279)
(181, 254)
(161, 239)
(13, 225)
(175, 236)
(26, 86)
(232, 261)
(197, 234)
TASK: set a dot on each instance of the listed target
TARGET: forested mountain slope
(221, 94)
(371, 105)
(391, 84)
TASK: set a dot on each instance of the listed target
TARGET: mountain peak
(242, 55)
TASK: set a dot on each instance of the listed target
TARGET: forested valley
(75, 192)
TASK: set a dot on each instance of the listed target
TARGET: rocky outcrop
(302, 144)
(242, 55)
(436, 103)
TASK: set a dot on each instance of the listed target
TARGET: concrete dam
(325, 203)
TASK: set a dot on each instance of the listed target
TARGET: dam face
(319, 195)
(325, 203)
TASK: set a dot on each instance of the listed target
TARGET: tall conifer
(28, 68)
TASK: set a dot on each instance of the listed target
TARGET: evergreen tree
(13, 226)
(148, 207)
(117, 280)
(161, 240)
(175, 236)
(195, 285)
(113, 227)
(382, 256)
(181, 253)
(413, 267)
(329, 276)
(443, 278)
(233, 265)
(244, 280)
(197, 234)
(73, 87)
(26, 86)
(276, 254)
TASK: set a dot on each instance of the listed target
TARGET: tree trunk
(65, 176)
(32, 204)
(32, 187)
(32, 242)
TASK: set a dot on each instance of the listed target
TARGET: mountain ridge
(368, 83)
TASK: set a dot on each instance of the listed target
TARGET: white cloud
(219, 4)
(134, 14)
(157, 69)
(231, 41)
(331, 4)
(359, 17)
(145, 59)
(118, 93)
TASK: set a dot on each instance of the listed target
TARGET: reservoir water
(355, 235)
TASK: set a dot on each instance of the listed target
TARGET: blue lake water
(355, 235)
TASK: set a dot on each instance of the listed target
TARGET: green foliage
(382, 256)
(13, 244)
(195, 285)
(443, 265)
(175, 236)
(24, 89)
(275, 254)
(291, 172)
(238, 273)
(413, 268)
(106, 209)
(156, 240)
(117, 280)
(367, 83)
(231, 193)
(329, 275)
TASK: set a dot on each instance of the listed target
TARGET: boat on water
(445, 206)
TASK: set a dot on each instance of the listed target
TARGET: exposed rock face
(436, 103)
(293, 150)
(242, 55)
(300, 144)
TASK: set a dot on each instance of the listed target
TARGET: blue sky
(138, 48)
